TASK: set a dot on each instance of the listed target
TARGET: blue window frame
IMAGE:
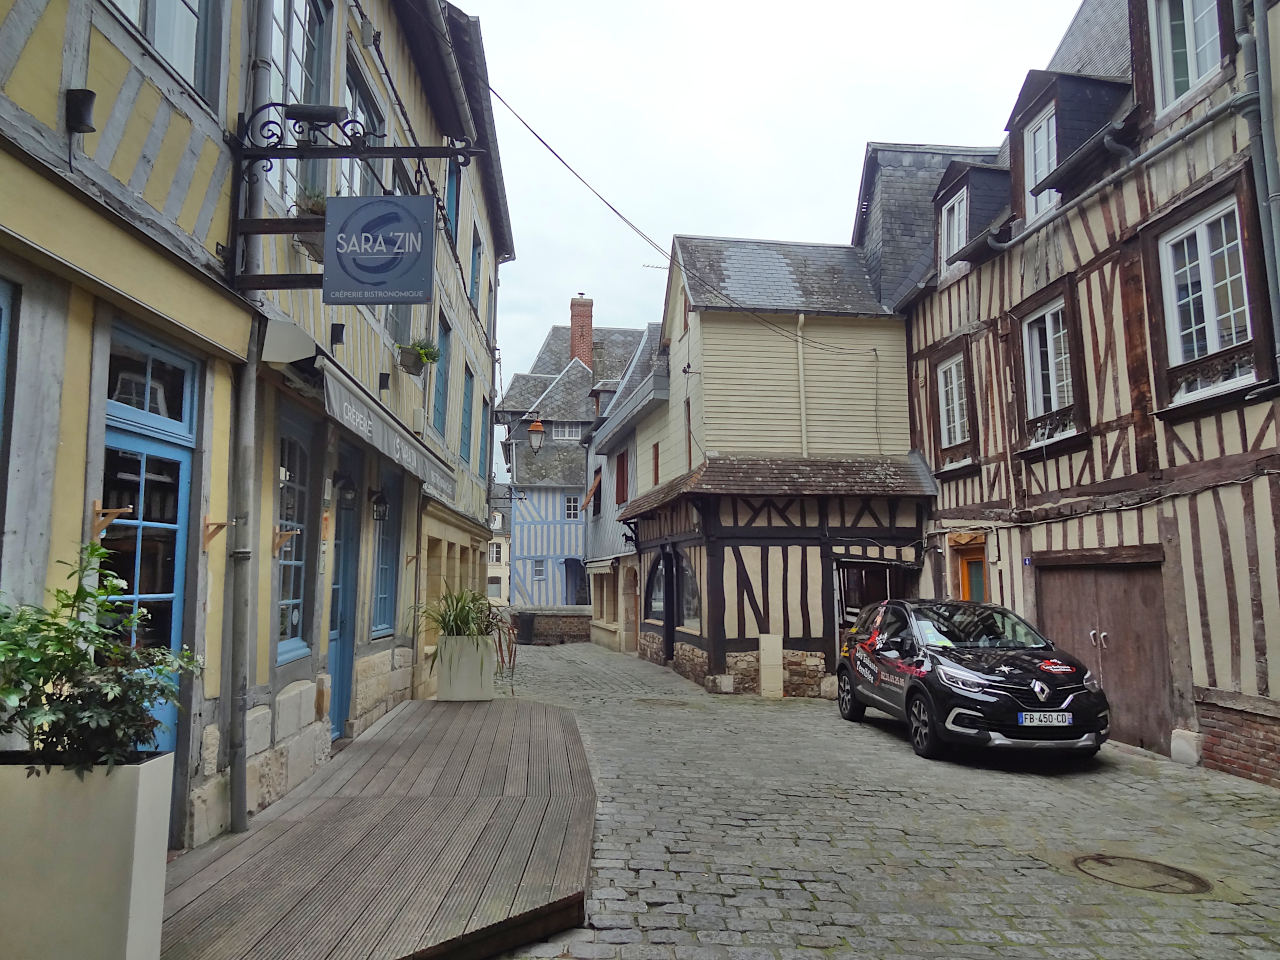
(468, 388)
(452, 187)
(8, 295)
(440, 405)
(477, 256)
(293, 510)
(483, 466)
(387, 562)
(147, 471)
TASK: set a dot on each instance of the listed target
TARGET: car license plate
(1056, 719)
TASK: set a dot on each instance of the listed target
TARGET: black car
(969, 673)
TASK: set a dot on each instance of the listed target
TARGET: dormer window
(1040, 153)
(1185, 37)
(953, 230)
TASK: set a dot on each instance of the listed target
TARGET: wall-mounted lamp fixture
(344, 486)
(337, 334)
(80, 111)
(317, 113)
(384, 382)
(537, 434)
(381, 505)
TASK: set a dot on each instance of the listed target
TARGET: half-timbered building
(1090, 343)
(779, 460)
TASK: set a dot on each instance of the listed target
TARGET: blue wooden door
(148, 544)
(342, 599)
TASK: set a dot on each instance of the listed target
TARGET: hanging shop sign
(378, 249)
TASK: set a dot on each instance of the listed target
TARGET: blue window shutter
(468, 387)
(387, 562)
(451, 190)
(441, 403)
(483, 465)
(477, 255)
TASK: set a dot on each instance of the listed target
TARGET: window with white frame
(953, 230)
(361, 178)
(1040, 156)
(566, 430)
(1186, 47)
(183, 33)
(953, 405)
(299, 74)
(1047, 346)
(495, 551)
(572, 508)
(1206, 300)
(539, 569)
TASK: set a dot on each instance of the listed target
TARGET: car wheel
(924, 731)
(851, 708)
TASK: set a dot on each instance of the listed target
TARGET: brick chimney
(581, 339)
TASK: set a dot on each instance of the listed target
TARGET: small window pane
(156, 562)
(176, 26)
(122, 481)
(160, 490)
(122, 542)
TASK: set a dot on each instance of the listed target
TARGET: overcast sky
(727, 118)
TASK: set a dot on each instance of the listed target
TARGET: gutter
(435, 14)
(804, 412)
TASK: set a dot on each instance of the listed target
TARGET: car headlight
(1092, 683)
(967, 682)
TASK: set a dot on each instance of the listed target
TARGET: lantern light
(537, 433)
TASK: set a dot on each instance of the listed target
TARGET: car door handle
(1104, 639)
(1093, 637)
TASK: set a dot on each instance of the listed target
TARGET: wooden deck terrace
(445, 830)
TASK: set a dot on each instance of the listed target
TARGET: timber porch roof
(894, 476)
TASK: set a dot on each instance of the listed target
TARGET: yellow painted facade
(128, 244)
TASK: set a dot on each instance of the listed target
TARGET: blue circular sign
(380, 241)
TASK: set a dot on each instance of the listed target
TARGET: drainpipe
(244, 493)
(804, 414)
(1268, 199)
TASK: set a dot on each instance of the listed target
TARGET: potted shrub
(85, 805)
(311, 202)
(415, 355)
(466, 653)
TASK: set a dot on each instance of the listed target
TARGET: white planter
(82, 861)
(465, 667)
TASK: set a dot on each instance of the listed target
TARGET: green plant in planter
(458, 613)
(427, 351)
(72, 684)
(311, 200)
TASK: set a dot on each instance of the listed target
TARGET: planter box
(313, 244)
(465, 666)
(411, 361)
(82, 862)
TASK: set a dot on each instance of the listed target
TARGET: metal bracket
(211, 529)
(280, 538)
(103, 517)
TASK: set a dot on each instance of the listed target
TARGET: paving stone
(802, 836)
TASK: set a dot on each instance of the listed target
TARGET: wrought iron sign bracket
(319, 133)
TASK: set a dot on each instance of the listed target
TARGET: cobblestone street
(734, 827)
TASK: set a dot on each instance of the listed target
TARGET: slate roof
(613, 349)
(776, 277)
(895, 222)
(524, 392)
(568, 396)
(901, 476)
(560, 463)
(1097, 42)
(643, 362)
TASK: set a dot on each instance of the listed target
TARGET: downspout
(804, 410)
(1268, 199)
(244, 527)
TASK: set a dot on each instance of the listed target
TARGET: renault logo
(1041, 688)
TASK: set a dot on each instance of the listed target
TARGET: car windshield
(962, 625)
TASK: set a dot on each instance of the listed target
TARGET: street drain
(660, 702)
(1141, 874)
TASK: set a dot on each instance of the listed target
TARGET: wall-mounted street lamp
(345, 486)
(381, 506)
(537, 433)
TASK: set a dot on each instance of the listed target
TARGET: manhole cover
(660, 702)
(1141, 874)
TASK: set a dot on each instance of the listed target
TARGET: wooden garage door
(1112, 618)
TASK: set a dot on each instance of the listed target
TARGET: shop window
(690, 594)
(387, 561)
(655, 595)
(293, 502)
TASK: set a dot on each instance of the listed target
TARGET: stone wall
(690, 662)
(380, 682)
(650, 648)
(553, 625)
(803, 674)
(1245, 744)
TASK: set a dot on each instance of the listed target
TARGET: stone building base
(690, 662)
(650, 648)
(803, 675)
